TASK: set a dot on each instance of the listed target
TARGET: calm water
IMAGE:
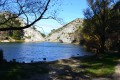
(25, 52)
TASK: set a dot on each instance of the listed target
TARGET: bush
(43, 34)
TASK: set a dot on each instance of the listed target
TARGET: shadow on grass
(101, 66)
(66, 72)
(20, 71)
(88, 68)
(85, 68)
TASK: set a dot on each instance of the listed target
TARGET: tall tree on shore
(98, 20)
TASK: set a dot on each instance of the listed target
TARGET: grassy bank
(87, 67)
(73, 68)
(100, 66)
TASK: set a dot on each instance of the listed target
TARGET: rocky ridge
(67, 33)
(32, 35)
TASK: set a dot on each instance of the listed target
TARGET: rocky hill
(32, 35)
(28, 35)
(69, 33)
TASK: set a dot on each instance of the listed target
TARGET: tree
(114, 30)
(98, 18)
(30, 10)
(43, 34)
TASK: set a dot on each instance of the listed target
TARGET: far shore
(9, 41)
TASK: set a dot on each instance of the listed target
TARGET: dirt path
(69, 69)
(116, 75)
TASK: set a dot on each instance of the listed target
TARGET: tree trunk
(102, 44)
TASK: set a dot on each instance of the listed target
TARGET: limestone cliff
(32, 35)
(66, 34)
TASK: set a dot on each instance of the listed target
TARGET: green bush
(43, 34)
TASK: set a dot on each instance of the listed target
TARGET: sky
(70, 10)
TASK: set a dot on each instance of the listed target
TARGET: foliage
(13, 22)
(18, 34)
(43, 34)
(29, 37)
(98, 66)
(101, 23)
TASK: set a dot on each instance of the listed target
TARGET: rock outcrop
(67, 33)
(32, 35)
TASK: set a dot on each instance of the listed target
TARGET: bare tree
(31, 11)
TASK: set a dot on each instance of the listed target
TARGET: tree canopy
(102, 20)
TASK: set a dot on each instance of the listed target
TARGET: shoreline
(75, 68)
(22, 41)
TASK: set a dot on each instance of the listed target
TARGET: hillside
(32, 35)
(69, 33)
(27, 35)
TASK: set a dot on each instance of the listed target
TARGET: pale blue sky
(70, 10)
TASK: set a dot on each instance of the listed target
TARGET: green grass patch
(98, 66)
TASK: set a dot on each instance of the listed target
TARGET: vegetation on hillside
(15, 34)
(43, 34)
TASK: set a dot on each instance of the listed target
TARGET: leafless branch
(42, 12)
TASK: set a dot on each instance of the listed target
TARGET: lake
(27, 52)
